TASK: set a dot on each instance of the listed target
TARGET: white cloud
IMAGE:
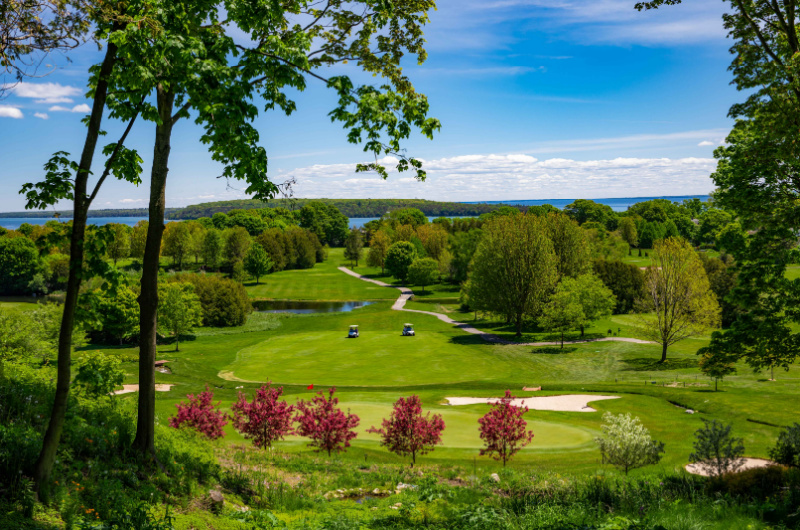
(44, 92)
(42, 115)
(686, 138)
(83, 107)
(129, 201)
(705, 143)
(7, 111)
(485, 71)
(512, 176)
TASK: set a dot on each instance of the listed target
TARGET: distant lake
(12, 223)
(619, 204)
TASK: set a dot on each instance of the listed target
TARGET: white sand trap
(127, 389)
(749, 463)
(565, 403)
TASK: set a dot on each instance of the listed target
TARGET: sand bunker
(127, 389)
(749, 463)
(565, 403)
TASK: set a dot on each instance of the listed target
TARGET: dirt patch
(128, 389)
(749, 463)
(565, 403)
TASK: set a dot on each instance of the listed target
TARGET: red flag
(310, 387)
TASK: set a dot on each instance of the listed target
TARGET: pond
(304, 307)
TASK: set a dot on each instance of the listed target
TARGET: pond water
(304, 307)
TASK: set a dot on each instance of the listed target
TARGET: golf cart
(408, 330)
(353, 334)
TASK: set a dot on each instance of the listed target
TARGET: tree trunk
(562, 340)
(664, 352)
(582, 330)
(47, 456)
(519, 326)
(148, 299)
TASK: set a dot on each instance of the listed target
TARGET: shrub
(329, 428)
(266, 419)
(627, 443)
(20, 263)
(625, 280)
(201, 414)
(503, 430)
(225, 302)
(99, 374)
(758, 482)
(716, 450)
(408, 432)
(787, 448)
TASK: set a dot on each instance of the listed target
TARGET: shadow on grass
(553, 350)
(648, 364)
(464, 340)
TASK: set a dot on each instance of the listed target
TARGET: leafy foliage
(422, 272)
(329, 428)
(503, 430)
(626, 443)
(787, 449)
(408, 432)
(98, 374)
(267, 419)
(20, 263)
(257, 262)
(201, 415)
(399, 258)
(224, 302)
(716, 450)
(179, 309)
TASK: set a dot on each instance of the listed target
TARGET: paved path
(406, 294)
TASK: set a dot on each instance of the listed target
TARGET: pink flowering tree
(408, 432)
(201, 414)
(266, 419)
(503, 430)
(329, 428)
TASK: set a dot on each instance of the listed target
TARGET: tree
(211, 248)
(378, 249)
(399, 258)
(32, 30)
(716, 450)
(257, 262)
(677, 302)
(408, 216)
(329, 428)
(627, 229)
(561, 313)
(177, 242)
(434, 239)
(715, 365)
(219, 83)
(201, 414)
(463, 246)
(326, 221)
(625, 280)
(19, 263)
(626, 443)
(569, 243)
(514, 268)
(267, 419)
(408, 432)
(138, 240)
(503, 430)
(179, 310)
(584, 210)
(237, 243)
(787, 448)
(69, 180)
(225, 303)
(120, 245)
(423, 272)
(118, 313)
(353, 246)
(594, 298)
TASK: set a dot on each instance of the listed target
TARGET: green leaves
(58, 184)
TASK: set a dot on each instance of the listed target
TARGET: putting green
(374, 359)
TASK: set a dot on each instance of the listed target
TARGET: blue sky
(538, 99)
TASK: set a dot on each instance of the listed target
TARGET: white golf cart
(408, 330)
(353, 334)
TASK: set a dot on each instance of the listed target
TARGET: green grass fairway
(323, 282)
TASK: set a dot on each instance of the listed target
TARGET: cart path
(406, 294)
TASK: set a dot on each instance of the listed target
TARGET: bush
(201, 415)
(225, 302)
(759, 483)
(716, 450)
(98, 374)
(625, 280)
(787, 448)
(20, 263)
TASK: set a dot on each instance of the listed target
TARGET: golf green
(374, 359)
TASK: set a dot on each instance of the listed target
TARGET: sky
(538, 99)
